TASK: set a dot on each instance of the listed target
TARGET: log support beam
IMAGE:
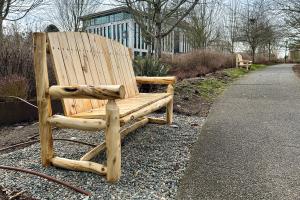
(77, 165)
(113, 142)
(169, 112)
(101, 147)
(77, 123)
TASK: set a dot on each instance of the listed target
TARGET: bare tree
(232, 22)
(254, 25)
(158, 18)
(13, 10)
(203, 26)
(65, 13)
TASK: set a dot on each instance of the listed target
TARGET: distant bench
(240, 62)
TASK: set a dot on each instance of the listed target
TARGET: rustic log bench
(240, 62)
(98, 89)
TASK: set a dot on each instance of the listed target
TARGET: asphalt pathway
(249, 147)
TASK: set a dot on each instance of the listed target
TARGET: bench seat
(126, 106)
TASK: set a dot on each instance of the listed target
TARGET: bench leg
(45, 131)
(113, 142)
(169, 113)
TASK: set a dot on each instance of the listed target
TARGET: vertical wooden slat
(43, 100)
(100, 62)
(72, 73)
(131, 70)
(97, 74)
(86, 103)
(118, 53)
(116, 65)
(109, 56)
(60, 71)
(85, 63)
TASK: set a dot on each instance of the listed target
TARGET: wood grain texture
(126, 106)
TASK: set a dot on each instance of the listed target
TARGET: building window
(104, 31)
(126, 34)
(92, 22)
(139, 37)
(134, 35)
(109, 32)
(118, 33)
(122, 31)
(97, 31)
(114, 32)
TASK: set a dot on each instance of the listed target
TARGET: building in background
(119, 25)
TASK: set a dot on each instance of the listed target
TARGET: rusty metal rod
(50, 178)
(34, 141)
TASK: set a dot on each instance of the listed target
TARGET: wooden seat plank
(126, 106)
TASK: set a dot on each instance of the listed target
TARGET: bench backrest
(87, 59)
(239, 57)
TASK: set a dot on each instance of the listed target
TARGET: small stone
(174, 126)
(19, 127)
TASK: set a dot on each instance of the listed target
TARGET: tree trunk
(1, 29)
(269, 51)
(157, 42)
(253, 55)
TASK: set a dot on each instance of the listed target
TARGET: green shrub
(148, 66)
(14, 85)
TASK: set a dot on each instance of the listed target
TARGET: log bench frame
(111, 124)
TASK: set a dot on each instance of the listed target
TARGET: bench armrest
(166, 80)
(88, 92)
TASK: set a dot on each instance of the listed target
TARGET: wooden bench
(98, 89)
(242, 63)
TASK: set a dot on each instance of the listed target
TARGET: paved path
(249, 147)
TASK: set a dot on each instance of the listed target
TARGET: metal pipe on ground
(50, 178)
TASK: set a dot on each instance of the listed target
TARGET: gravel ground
(153, 161)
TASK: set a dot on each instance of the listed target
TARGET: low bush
(199, 63)
(149, 66)
(14, 85)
